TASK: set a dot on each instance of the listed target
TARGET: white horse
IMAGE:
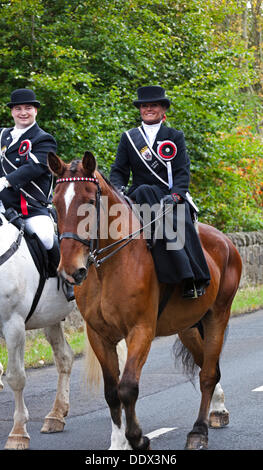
(19, 280)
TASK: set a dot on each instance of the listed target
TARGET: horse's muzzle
(79, 275)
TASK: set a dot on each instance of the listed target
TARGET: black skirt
(180, 256)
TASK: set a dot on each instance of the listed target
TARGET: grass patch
(38, 352)
(247, 300)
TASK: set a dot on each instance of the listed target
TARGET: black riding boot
(53, 262)
(193, 289)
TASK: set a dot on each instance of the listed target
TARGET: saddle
(35, 246)
(38, 253)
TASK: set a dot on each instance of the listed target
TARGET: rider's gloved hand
(171, 199)
(3, 183)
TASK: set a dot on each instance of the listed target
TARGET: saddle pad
(38, 253)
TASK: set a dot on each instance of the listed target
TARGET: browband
(77, 178)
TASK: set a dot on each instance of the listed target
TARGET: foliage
(235, 199)
(85, 60)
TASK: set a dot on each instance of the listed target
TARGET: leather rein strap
(14, 247)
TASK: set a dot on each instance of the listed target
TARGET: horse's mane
(114, 188)
(111, 185)
(74, 166)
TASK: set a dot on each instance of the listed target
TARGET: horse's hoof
(53, 425)
(196, 442)
(218, 419)
(145, 444)
(17, 443)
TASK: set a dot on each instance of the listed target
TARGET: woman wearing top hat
(25, 180)
(157, 158)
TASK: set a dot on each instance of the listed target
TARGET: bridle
(73, 179)
(93, 244)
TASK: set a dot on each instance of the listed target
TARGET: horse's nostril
(79, 275)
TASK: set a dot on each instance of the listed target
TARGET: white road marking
(258, 389)
(159, 432)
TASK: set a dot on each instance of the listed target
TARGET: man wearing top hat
(157, 158)
(25, 180)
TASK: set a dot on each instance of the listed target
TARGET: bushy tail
(92, 368)
(189, 367)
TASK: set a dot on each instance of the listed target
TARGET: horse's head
(74, 198)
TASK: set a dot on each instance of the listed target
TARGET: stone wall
(250, 247)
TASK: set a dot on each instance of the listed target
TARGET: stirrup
(190, 292)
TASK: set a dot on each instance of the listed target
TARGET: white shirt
(16, 133)
(151, 131)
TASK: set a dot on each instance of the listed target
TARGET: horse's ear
(56, 165)
(89, 163)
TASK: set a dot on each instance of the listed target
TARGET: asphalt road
(167, 399)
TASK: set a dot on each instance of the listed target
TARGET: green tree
(85, 60)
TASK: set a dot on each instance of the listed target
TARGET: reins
(14, 246)
(95, 252)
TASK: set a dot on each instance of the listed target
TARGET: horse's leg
(139, 343)
(108, 358)
(214, 328)
(63, 355)
(14, 333)
(219, 415)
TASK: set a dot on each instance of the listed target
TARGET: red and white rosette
(25, 148)
(167, 150)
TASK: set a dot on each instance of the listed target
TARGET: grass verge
(38, 352)
(247, 300)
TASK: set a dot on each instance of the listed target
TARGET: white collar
(151, 131)
(17, 132)
(151, 128)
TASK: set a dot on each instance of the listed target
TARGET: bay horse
(118, 295)
(19, 280)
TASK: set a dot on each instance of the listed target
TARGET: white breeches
(43, 226)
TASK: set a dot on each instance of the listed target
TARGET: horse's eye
(92, 201)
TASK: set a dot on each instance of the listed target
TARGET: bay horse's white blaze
(19, 281)
(69, 196)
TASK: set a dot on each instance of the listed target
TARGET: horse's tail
(92, 368)
(190, 368)
(180, 351)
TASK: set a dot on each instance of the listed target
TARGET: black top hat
(23, 96)
(151, 94)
